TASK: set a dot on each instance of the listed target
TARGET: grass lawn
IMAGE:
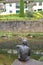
(12, 17)
(6, 59)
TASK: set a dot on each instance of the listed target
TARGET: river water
(35, 44)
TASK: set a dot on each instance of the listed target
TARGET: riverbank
(7, 59)
(27, 16)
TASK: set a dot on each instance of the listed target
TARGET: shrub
(41, 12)
(29, 14)
(37, 15)
(41, 58)
(3, 51)
(35, 56)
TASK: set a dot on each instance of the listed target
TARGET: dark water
(33, 44)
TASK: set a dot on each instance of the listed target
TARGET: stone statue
(23, 51)
(24, 55)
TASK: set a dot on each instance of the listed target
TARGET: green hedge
(29, 14)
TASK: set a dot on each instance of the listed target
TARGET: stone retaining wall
(22, 26)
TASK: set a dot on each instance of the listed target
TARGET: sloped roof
(19, 0)
(38, 0)
(13, 0)
(9, 0)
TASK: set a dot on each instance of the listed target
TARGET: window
(4, 3)
(35, 4)
(40, 3)
(10, 11)
(4, 10)
(34, 10)
(17, 11)
(39, 9)
(25, 6)
(26, 10)
(17, 5)
(10, 5)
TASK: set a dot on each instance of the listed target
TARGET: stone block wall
(22, 26)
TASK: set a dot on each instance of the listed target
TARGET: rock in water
(29, 62)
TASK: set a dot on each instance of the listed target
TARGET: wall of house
(37, 6)
(22, 26)
(1, 7)
(10, 8)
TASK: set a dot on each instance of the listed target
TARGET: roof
(9, 0)
(13, 0)
(19, 0)
(38, 0)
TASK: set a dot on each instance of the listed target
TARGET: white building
(38, 6)
(13, 6)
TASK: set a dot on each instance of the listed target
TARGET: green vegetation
(35, 56)
(12, 17)
(38, 0)
(35, 15)
(21, 8)
(28, 16)
(1, 0)
(22, 34)
(35, 45)
(7, 59)
(10, 39)
(7, 34)
(41, 58)
(38, 14)
(37, 35)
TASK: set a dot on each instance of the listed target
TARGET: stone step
(29, 62)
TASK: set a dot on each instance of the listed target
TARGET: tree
(21, 8)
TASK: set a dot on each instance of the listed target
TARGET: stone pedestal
(29, 62)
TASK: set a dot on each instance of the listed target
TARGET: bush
(3, 51)
(41, 59)
(35, 56)
(37, 15)
(41, 12)
(29, 14)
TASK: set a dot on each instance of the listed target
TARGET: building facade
(13, 6)
(38, 6)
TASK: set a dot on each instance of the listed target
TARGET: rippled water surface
(10, 43)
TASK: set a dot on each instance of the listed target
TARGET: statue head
(24, 41)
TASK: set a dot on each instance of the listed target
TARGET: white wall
(13, 8)
(37, 6)
(8, 8)
(42, 5)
